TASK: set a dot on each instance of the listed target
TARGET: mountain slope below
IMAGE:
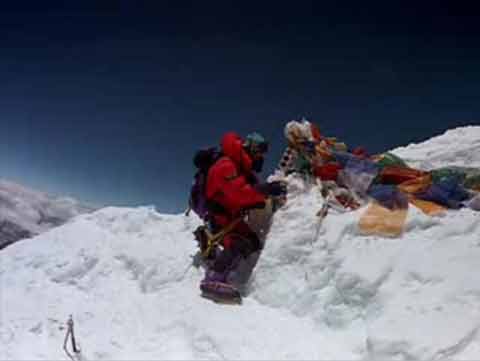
(25, 213)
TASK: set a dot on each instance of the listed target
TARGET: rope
(214, 239)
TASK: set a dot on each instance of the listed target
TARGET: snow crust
(320, 291)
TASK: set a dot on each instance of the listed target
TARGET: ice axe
(70, 334)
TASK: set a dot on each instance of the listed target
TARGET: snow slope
(456, 147)
(25, 212)
(124, 275)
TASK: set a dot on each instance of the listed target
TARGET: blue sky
(108, 103)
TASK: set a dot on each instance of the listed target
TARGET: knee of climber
(243, 245)
(224, 261)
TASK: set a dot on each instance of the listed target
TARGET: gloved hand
(275, 189)
(278, 202)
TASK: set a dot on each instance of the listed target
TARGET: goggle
(261, 148)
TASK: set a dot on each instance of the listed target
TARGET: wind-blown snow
(317, 292)
(25, 212)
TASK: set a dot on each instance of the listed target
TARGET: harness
(211, 240)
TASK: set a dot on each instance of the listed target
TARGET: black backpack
(203, 160)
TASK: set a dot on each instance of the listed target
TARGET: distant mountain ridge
(25, 213)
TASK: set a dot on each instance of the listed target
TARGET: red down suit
(230, 184)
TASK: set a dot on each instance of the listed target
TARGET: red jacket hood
(232, 147)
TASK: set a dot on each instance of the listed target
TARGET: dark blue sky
(107, 101)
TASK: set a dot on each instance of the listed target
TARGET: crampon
(220, 292)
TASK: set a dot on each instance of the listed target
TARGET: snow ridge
(456, 147)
